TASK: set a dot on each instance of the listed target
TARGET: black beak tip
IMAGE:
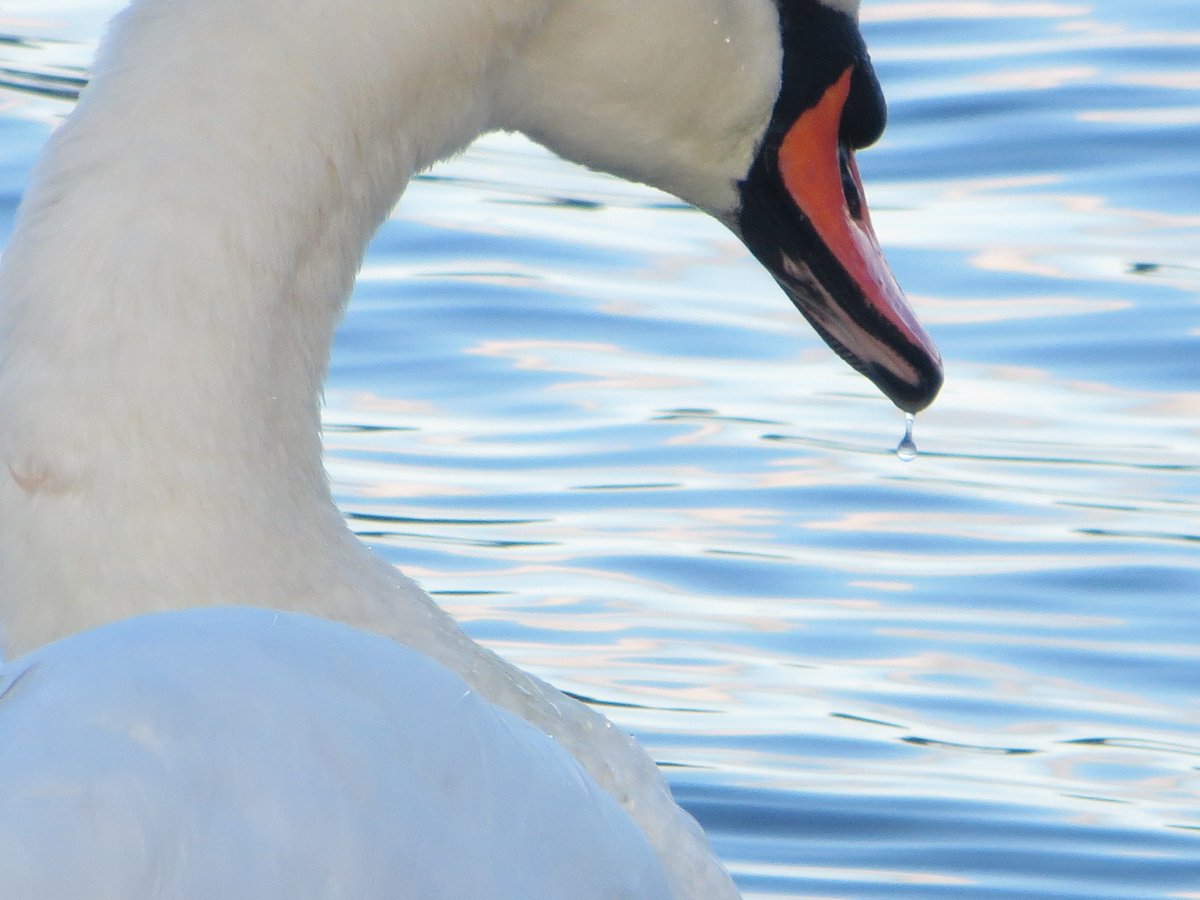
(911, 396)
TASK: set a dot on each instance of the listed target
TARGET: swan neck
(183, 254)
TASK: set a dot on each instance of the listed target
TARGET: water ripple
(590, 424)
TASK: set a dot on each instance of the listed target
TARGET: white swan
(167, 300)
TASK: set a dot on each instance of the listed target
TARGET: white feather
(107, 749)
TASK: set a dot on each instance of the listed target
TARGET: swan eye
(865, 114)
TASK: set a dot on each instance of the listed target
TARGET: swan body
(167, 301)
(139, 744)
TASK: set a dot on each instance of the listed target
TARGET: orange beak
(804, 215)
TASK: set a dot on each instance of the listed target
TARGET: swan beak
(804, 215)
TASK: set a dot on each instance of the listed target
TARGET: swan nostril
(854, 200)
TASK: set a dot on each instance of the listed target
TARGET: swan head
(751, 110)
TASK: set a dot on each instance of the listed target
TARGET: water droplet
(907, 448)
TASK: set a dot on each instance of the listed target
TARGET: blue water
(583, 417)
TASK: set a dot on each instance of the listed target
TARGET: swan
(214, 689)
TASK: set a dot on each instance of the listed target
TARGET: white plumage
(322, 735)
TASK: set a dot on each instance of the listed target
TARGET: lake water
(586, 420)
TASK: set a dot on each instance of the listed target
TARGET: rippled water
(582, 416)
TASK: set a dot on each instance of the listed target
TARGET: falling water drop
(907, 448)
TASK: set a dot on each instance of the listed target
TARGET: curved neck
(182, 256)
(191, 234)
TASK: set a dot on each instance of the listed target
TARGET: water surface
(583, 417)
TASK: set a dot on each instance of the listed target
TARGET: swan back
(355, 770)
